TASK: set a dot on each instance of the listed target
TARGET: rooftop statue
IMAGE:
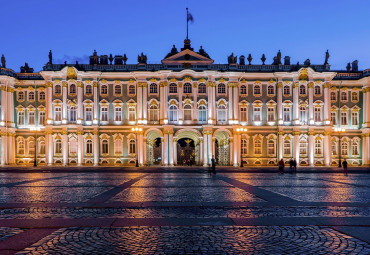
(249, 59)
(232, 59)
(50, 58)
(142, 58)
(326, 57)
(278, 58)
(263, 59)
(26, 69)
(95, 58)
(203, 52)
(110, 58)
(348, 67)
(125, 59)
(242, 60)
(3, 61)
(307, 62)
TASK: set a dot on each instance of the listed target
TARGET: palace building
(107, 112)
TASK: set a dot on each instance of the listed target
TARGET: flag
(190, 17)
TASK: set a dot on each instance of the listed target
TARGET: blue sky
(73, 29)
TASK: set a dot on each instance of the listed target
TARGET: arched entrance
(188, 147)
(153, 148)
(222, 148)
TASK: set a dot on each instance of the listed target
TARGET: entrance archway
(153, 148)
(188, 147)
(222, 148)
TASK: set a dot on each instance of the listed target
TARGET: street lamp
(35, 129)
(137, 130)
(241, 131)
(340, 131)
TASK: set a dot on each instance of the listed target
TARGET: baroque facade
(108, 112)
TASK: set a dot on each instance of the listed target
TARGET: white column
(295, 104)
(236, 103)
(367, 143)
(213, 94)
(96, 101)
(310, 103)
(174, 151)
(365, 106)
(96, 148)
(64, 103)
(166, 149)
(280, 147)
(50, 148)
(49, 102)
(311, 148)
(213, 146)
(171, 149)
(4, 151)
(280, 102)
(180, 90)
(231, 105)
(231, 149)
(9, 149)
(195, 104)
(141, 148)
(296, 146)
(201, 154)
(144, 151)
(327, 104)
(11, 106)
(140, 102)
(3, 103)
(327, 149)
(65, 147)
(80, 147)
(12, 150)
(235, 149)
(163, 150)
(144, 103)
(210, 103)
(79, 103)
(207, 149)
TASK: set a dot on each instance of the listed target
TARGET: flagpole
(187, 23)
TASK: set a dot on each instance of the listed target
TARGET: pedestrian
(295, 165)
(281, 166)
(184, 162)
(291, 165)
(345, 165)
(213, 161)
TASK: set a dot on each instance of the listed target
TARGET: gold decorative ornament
(71, 73)
(303, 75)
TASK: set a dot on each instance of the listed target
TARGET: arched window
(105, 147)
(257, 90)
(355, 148)
(287, 147)
(118, 146)
(244, 146)
(153, 88)
(89, 146)
(286, 90)
(72, 113)
(354, 96)
(73, 146)
(271, 147)
(20, 96)
(221, 88)
(202, 114)
(42, 96)
(31, 147)
(41, 147)
(131, 90)
(58, 146)
(153, 113)
(343, 96)
(88, 90)
(302, 90)
(132, 146)
(187, 112)
(58, 89)
(270, 90)
(31, 96)
(258, 146)
(317, 90)
(58, 113)
(172, 113)
(72, 89)
(303, 146)
(333, 96)
(344, 149)
(173, 88)
(187, 88)
(221, 114)
(20, 148)
(202, 88)
(243, 90)
(318, 147)
(243, 113)
(104, 90)
(117, 89)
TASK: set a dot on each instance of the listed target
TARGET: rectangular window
(317, 116)
(257, 114)
(104, 113)
(354, 118)
(243, 114)
(244, 146)
(41, 118)
(118, 113)
(333, 118)
(334, 148)
(20, 118)
(31, 118)
(303, 148)
(271, 147)
(88, 114)
(343, 118)
(287, 147)
(270, 114)
(58, 114)
(131, 114)
(286, 115)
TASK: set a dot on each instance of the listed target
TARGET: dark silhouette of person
(213, 161)
(291, 163)
(345, 165)
(281, 166)
(295, 165)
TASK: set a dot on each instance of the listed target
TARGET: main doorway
(186, 154)
(153, 148)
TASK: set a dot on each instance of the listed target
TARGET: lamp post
(241, 131)
(35, 129)
(137, 130)
(340, 131)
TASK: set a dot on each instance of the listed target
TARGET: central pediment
(187, 56)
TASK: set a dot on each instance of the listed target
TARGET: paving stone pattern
(200, 240)
(5, 232)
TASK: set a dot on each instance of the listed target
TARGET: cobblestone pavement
(200, 240)
(184, 213)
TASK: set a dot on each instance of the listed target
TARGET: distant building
(188, 109)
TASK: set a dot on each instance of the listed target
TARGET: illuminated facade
(186, 108)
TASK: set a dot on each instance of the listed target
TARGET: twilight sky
(73, 29)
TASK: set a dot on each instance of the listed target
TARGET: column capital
(296, 133)
(311, 133)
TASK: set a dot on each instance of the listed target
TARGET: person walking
(295, 166)
(281, 166)
(213, 161)
(291, 166)
(345, 165)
